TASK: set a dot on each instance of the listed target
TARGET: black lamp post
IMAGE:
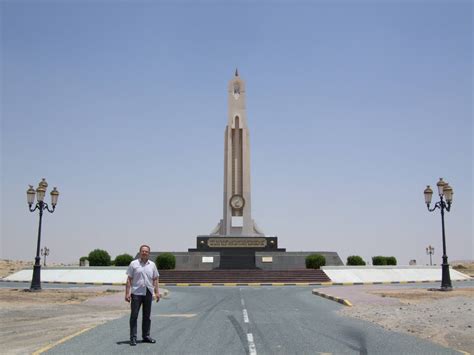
(444, 190)
(45, 253)
(430, 251)
(41, 206)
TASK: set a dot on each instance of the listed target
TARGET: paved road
(248, 320)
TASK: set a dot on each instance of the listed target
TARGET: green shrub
(99, 257)
(355, 260)
(391, 260)
(315, 261)
(123, 260)
(165, 261)
(83, 258)
(379, 260)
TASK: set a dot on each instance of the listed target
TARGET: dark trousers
(135, 305)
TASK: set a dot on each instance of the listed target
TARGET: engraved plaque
(223, 242)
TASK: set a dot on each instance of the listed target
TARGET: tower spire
(236, 72)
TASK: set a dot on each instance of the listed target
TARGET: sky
(353, 107)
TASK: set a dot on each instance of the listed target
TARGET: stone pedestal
(236, 252)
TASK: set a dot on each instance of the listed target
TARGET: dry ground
(421, 295)
(32, 320)
(446, 318)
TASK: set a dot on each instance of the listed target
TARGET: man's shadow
(127, 342)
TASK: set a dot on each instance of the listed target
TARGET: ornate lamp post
(45, 253)
(444, 190)
(41, 206)
(430, 251)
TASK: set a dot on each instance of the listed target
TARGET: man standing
(142, 284)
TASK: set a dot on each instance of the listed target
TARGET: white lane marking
(246, 316)
(252, 348)
(184, 315)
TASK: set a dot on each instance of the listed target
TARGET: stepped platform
(242, 276)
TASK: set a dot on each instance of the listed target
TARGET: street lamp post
(445, 192)
(45, 253)
(40, 206)
(430, 251)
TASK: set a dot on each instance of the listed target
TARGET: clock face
(237, 202)
(236, 91)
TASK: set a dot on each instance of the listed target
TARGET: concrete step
(239, 275)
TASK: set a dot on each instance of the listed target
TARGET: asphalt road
(248, 320)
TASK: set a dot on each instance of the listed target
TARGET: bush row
(315, 261)
(167, 261)
(100, 257)
(384, 260)
(376, 260)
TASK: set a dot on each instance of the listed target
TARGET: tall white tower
(237, 218)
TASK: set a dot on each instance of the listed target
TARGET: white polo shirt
(142, 275)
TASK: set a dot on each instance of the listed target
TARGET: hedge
(355, 260)
(123, 260)
(99, 257)
(315, 261)
(379, 260)
(165, 261)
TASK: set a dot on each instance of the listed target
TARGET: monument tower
(236, 239)
(237, 217)
(236, 242)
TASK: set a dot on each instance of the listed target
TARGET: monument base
(236, 252)
(264, 260)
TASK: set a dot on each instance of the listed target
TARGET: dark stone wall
(281, 260)
(294, 259)
(193, 260)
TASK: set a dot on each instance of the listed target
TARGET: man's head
(144, 252)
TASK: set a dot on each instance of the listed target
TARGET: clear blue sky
(353, 108)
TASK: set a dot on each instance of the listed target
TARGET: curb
(332, 298)
(236, 284)
(164, 293)
(73, 283)
(204, 284)
(385, 282)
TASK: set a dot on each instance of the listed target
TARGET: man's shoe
(149, 340)
(133, 342)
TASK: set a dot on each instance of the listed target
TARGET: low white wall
(83, 274)
(388, 273)
(335, 273)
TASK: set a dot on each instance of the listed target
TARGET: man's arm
(127, 289)
(157, 291)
